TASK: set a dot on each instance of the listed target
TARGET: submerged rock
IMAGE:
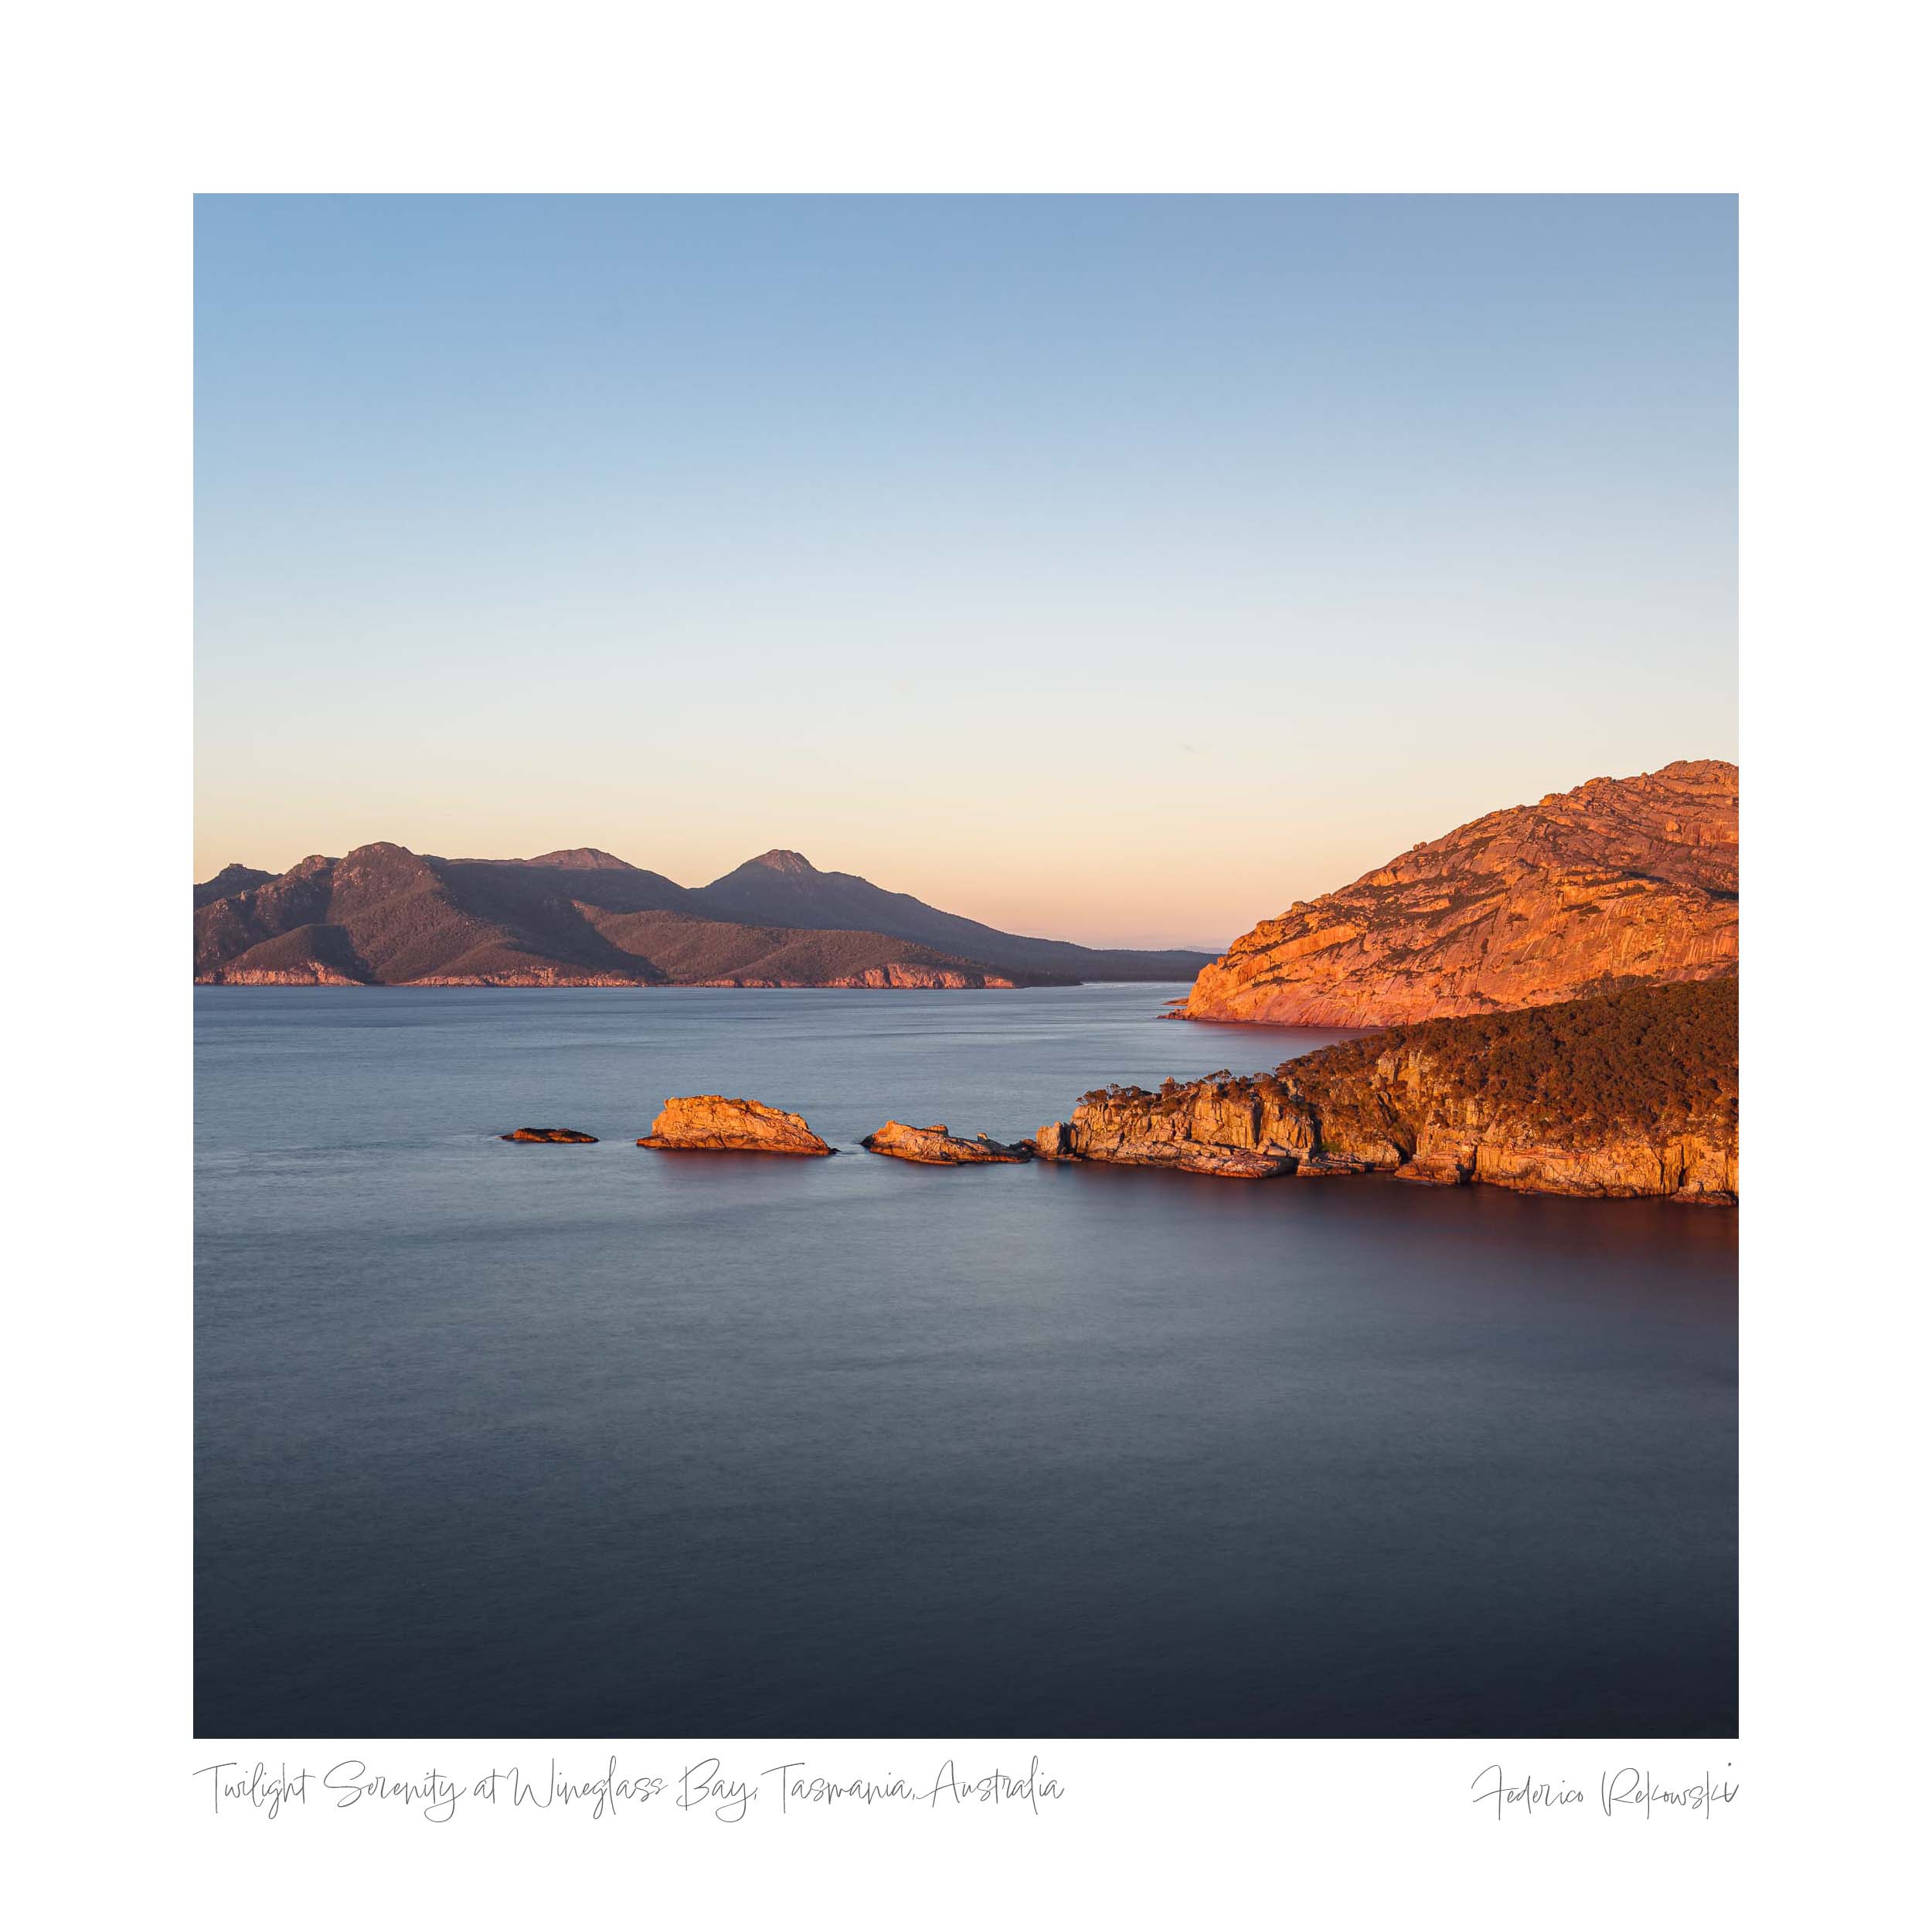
(709, 1123)
(555, 1135)
(938, 1147)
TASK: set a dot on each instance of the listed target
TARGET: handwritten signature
(1628, 1789)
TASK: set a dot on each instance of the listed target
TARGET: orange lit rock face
(1622, 879)
(937, 1148)
(1199, 1129)
(1126, 1141)
(1635, 1093)
(536, 976)
(553, 1136)
(709, 1123)
(897, 975)
(1440, 1140)
(315, 974)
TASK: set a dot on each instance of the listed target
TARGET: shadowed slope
(229, 880)
(784, 888)
(383, 915)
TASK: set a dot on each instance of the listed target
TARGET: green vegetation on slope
(1645, 1057)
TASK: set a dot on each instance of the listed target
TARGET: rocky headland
(939, 1146)
(710, 1123)
(1622, 880)
(1634, 1092)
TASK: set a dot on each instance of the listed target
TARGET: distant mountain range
(383, 915)
(1620, 882)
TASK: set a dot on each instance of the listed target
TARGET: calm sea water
(495, 1440)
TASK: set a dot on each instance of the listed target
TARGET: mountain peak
(383, 915)
(778, 859)
(234, 877)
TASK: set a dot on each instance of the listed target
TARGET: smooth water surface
(496, 1439)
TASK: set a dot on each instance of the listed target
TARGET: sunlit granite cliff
(1631, 1094)
(1621, 879)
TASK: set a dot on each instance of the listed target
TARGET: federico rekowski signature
(1629, 1790)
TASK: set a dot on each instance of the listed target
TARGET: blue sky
(1121, 568)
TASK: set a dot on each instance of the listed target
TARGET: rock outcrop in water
(1632, 1093)
(552, 1136)
(709, 1123)
(938, 1147)
(1622, 880)
(1121, 1136)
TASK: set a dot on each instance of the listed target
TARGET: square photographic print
(966, 967)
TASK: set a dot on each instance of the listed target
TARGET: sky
(1113, 568)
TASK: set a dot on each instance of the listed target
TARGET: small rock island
(553, 1136)
(938, 1147)
(710, 1123)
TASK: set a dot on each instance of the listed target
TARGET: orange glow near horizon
(1112, 568)
(1102, 876)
